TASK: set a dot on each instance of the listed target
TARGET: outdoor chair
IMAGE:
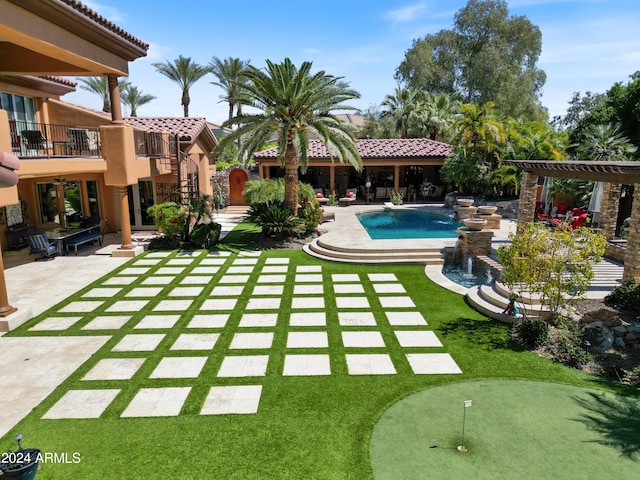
(320, 196)
(349, 198)
(83, 141)
(40, 243)
(34, 139)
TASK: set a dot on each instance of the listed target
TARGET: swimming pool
(405, 223)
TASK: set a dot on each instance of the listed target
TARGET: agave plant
(275, 219)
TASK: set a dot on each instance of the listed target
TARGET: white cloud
(111, 13)
(408, 13)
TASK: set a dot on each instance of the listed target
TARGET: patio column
(125, 220)
(527, 204)
(5, 308)
(396, 178)
(114, 98)
(609, 209)
(632, 258)
(332, 178)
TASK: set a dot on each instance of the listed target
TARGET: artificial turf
(306, 427)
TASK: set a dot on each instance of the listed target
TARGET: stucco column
(527, 203)
(396, 178)
(114, 98)
(632, 259)
(609, 209)
(5, 308)
(125, 220)
(332, 178)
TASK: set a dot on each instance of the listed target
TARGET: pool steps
(327, 251)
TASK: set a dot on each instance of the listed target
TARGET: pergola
(612, 174)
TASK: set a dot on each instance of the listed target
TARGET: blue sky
(587, 45)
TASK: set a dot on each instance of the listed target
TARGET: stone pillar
(114, 98)
(471, 242)
(527, 204)
(125, 220)
(5, 308)
(609, 209)
(632, 257)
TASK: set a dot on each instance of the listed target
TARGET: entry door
(237, 179)
(140, 199)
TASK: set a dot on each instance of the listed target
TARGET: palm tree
(185, 73)
(440, 113)
(134, 98)
(605, 143)
(230, 73)
(405, 107)
(100, 86)
(295, 105)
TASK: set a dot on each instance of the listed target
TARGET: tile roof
(102, 21)
(187, 128)
(60, 80)
(378, 148)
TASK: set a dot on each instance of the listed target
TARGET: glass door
(140, 199)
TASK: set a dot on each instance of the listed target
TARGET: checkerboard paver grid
(307, 281)
(157, 321)
(114, 369)
(82, 404)
(55, 323)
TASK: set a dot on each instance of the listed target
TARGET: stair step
(354, 255)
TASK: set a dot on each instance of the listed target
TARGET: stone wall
(473, 243)
(527, 205)
(632, 258)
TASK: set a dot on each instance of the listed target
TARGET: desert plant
(566, 346)
(275, 219)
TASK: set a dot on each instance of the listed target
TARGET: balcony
(30, 140)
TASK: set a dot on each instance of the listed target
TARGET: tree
(439, 115)
(605, 143)
(230, 73)
(404, 107)
(185, 73)
(579, 107)
(100, 86)
(134, 98)
(487, 56)
(552, 263)
(377, 125)
(296, 105)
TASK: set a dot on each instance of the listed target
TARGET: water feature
(406, 223)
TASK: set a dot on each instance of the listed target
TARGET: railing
(184, 168)
(44, 140)
(161, 145)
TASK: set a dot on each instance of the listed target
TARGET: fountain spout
(470, 266)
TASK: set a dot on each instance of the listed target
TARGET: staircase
(326, 251)
(491, 300)
(237, 210)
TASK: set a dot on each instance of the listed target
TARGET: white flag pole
(467, 404)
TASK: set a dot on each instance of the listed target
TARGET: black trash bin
(21, 464)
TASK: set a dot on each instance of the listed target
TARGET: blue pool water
(405, 223)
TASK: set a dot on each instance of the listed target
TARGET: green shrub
(170, 218)
(275, 218)
(165, 242)
(333, 199)
(566, 346)
(626, 295)
(272, 190)
(311, 215)
(206, 235)
(532, 333)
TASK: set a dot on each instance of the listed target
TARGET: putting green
(513, 429)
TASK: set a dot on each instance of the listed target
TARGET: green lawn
(306, 427)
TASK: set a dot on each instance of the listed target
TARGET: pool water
(405, 223)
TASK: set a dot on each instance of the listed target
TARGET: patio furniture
(322, 200)
(34, 140)
(40, 243)
(83, 141)
(349, 198)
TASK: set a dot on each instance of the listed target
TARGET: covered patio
(612, 174)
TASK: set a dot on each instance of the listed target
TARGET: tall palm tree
(100, 86)
(185, 73)
(230, 73)
(134, 98)
(440, 113)
(296, 105)
(605, 143)
(405, 107)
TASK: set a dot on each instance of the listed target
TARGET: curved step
(475, 301)
(354, 255)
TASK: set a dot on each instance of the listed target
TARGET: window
(19, 108)
(94, 201)
(48, 202)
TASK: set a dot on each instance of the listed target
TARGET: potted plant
(396, 198)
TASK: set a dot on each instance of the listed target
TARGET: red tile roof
(188, 128)
(102, 21)
(60, 80)
(378, 148)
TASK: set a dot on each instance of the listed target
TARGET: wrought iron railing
(45, 140)
(161, 145)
